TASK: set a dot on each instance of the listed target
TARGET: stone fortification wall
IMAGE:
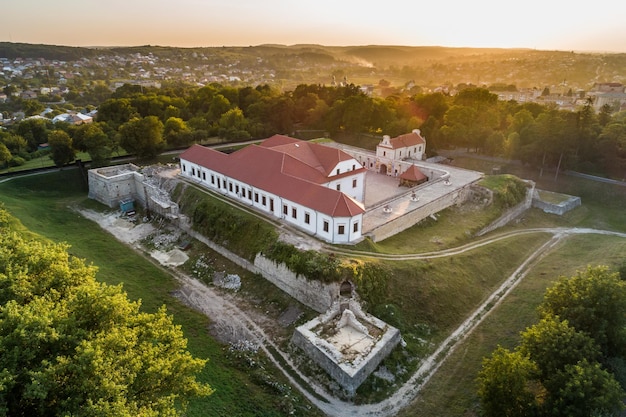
(401, 223)
(553, 208)
(111, 185)
(513, 212)
(348, 376)
(314, 294)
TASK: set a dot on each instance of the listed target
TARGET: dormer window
(338, 171)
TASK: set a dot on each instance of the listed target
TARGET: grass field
(43, 205)
(425, 299)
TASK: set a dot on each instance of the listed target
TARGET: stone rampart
(556, 208)
(513, 212)
(349, 375)
(314, 294)
(411, 218)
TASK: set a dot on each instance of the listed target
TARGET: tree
(116, 111)
(553, 344)
(35, 131)
(5, 154)
(232, 125)
(583, 389)
(176, 132)
(15, 143)
(143, 137)
(593, 301)
(74, 346)
(562, 361)
(506, 385)
(61, 150)
(92, 139)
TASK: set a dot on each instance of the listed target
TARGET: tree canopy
(562, 366)
(74, 346)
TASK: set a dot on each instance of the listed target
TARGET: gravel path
(230, 319)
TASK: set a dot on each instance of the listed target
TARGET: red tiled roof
(413, 174)
(407, 140)
(274, 169)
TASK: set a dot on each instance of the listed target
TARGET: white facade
(333, 229)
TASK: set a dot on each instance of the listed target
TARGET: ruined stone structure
(121, 183)
(347, 343)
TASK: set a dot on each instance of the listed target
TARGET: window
(353, 167)
(219, 183)
(294, 213)
(184, 168)
(355, 227)
(230, 187)
(193, 171)
(307, 218)
(337, 171)
(271, 204)
(384, 153)
(204, 176)
(338, 187)
(326, 226)
(354, 183)
(264, 200)
(212, 179)
(341, 229)
(285, 209)
(256, 197)
(250, 195)
(237, 189)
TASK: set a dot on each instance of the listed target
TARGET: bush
(16, 161)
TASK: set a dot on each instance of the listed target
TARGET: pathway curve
(223, 312)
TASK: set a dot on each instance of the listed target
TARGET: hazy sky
(598, 25)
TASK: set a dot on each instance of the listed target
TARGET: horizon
(538, 25)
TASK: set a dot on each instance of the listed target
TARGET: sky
(598, 25)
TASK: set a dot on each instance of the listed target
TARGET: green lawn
(425, 299)
(42, 204)
(452, 390)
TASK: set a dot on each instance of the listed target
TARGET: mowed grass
(43, 205)
(425, 299)
(452, 390)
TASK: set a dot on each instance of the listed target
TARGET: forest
(144, 121)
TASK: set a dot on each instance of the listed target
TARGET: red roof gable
(272, 169)
(407, 140)
(413, 174)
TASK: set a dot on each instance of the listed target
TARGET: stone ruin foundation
(347, 343)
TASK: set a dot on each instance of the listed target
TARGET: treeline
(144, 121)
(572, 362)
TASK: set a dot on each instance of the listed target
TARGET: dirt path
(233, 321)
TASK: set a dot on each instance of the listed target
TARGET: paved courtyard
(385, 200)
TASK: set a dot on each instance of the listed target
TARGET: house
(73, 118)
(315, 188)
(408, 146)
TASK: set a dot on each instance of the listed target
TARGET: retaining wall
(407, 220)
(513, 212)
(559, 209)
(311, 293)
(314, 294)
(348, 376)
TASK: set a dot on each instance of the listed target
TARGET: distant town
(81, 80)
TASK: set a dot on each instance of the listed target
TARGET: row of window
(339, 170)
(243, 193)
